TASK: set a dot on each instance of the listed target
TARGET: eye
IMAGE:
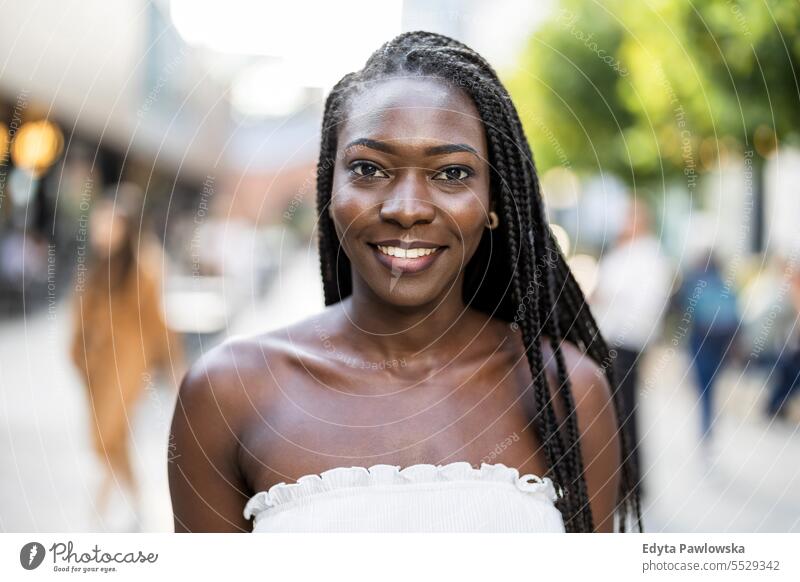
(367, 170)
(453, 174)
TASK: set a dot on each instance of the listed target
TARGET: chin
(406, 290)
(407, 297)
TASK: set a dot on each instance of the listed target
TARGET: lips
(406, 256)
(416, 244)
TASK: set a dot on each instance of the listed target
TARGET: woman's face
(410, 188)
(106, 231)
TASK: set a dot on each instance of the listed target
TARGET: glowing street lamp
(36, 146)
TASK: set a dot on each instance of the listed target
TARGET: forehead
(413, 109)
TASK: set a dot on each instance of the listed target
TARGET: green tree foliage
(655, 90)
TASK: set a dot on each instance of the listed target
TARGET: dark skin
(401, 372)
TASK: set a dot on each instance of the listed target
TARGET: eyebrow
(448, 148)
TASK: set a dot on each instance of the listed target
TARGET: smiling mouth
(406, 260)
(402, 253)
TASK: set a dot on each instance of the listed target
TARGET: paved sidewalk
(750, 482)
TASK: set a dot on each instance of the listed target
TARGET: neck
(390, 331)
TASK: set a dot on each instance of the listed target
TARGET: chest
(478, 416)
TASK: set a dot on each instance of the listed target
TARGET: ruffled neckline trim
(380, 475)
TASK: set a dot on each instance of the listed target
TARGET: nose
(407, 203)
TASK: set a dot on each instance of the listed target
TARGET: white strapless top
(420, 498)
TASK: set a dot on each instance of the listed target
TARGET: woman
(120, 336)
(455, 343)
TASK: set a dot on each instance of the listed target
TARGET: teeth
(405, 253)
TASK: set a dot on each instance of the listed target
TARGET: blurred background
(177, 140)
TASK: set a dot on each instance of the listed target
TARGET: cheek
(350, 213)
(468, 217)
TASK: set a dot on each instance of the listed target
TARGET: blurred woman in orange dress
(120, 334)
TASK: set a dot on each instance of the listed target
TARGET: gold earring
(494, 220)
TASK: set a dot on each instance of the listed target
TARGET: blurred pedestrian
(629, 302)
(787, 367)
(120, 335)
(710, 306)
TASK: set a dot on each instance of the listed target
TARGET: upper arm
(598, 433)
(207, 488)
(600, 441)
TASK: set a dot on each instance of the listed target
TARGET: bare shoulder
(212, 398)
(242, 372)
(233, 372)
(591, 388)
(589, 384)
